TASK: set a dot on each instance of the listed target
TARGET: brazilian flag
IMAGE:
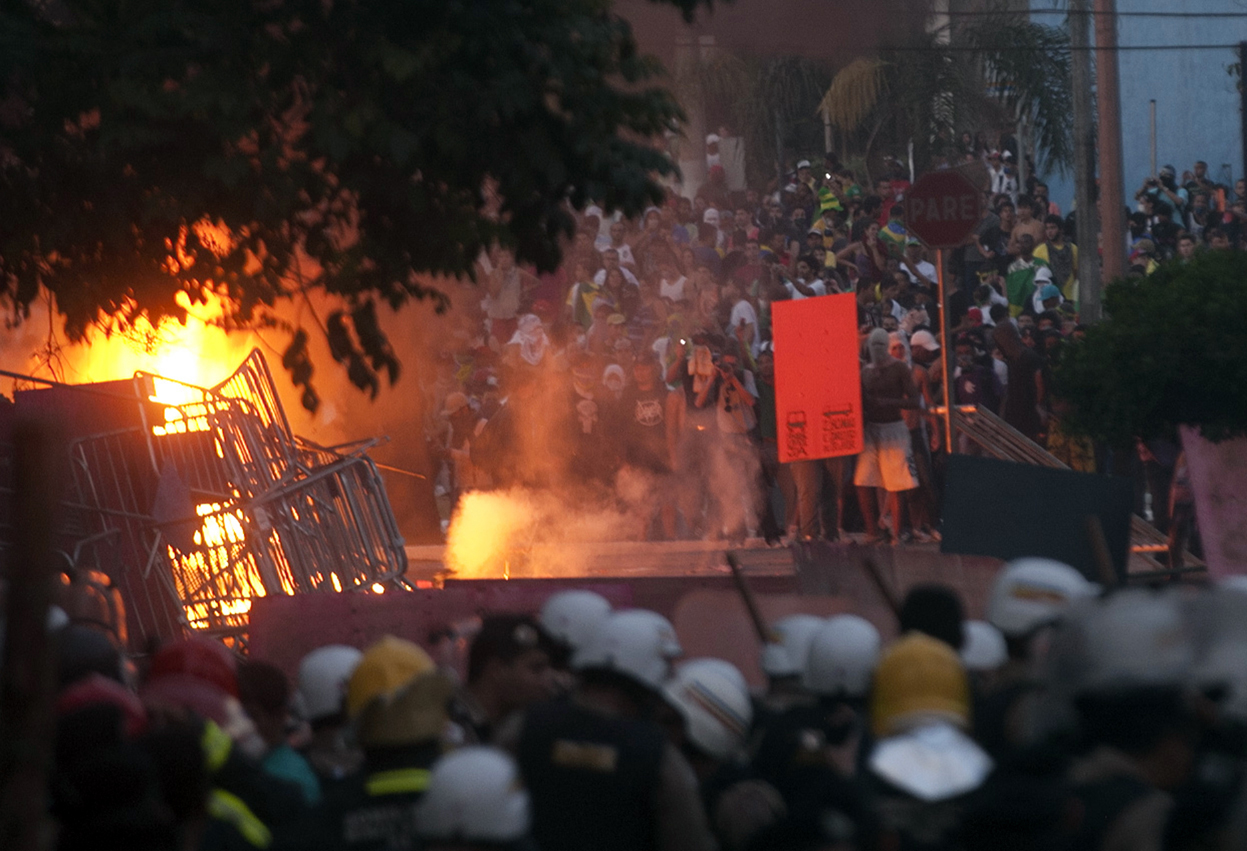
(827, 200)
(1020, 283)
(894, 237)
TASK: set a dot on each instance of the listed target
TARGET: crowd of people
(649, 352)
(1071, 718)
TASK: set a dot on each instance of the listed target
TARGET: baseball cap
(1169, 170)
(454, 402)
(1049, 291)
(616, 319)
(803, 164)
(993, 155)
(1008, 155)
(975, 314)
(924, 340)
(712, 139)
(711, 216)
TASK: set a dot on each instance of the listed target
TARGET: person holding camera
(1164, 187)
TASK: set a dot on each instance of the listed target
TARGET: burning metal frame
(208, 500)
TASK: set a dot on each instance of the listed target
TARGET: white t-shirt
(927, 270)
(673, 290)
(743, 310)
(817, 285)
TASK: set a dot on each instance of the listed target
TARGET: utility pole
(1242, 94)
(1087, 216)
(1108, 102)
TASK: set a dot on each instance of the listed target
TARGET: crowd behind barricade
(1071, 718)
(649, 352)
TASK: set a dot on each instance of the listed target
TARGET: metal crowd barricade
(216, 502)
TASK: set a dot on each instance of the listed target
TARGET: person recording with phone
(1164, 186)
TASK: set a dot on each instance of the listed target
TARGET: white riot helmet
(635, 643)
(787, 658)
(714, 704)
(1134, 638)
(573, 616)
(984, 648)
(323, 676)
(474, 796)
(842, 657)
(1030, 592)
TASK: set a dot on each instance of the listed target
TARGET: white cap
(843, 655)
(984, 648)
(712, 138)
(714, 703)
(574, 616)
(474, 796)
(803, 164)
(323, 677)
(711, 217)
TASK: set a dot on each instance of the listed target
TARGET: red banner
(818, 377)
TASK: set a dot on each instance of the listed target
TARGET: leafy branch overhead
(256, 151)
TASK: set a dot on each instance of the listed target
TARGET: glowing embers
(217, 580)
(188, 418)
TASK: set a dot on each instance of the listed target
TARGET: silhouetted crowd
(1071, 718)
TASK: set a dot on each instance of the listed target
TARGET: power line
(1007, 48)
(1020, 12)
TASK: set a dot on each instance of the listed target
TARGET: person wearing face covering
(1025, 403)
(887, 457)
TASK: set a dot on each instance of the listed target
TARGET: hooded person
(530, 337)
(397, 701)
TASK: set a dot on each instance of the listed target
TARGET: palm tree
(1004, 69)
(767, 101)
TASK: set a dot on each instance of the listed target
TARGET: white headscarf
(530, 336)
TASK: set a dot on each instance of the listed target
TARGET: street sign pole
(945, 354)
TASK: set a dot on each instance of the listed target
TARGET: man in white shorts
(887, 458)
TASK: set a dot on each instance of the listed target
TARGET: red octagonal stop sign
(942, 208)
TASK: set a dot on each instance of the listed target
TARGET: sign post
(942, 208)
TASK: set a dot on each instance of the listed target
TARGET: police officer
(598, 767)
(397, 700)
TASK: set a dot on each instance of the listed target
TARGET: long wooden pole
(1088, 214)
(1108, 102)
(945, 354)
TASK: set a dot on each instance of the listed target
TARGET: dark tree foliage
(1173, 353)
(259, 149)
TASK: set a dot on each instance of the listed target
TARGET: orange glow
(199, 352)
(216, 569)
(486, 529)
(378, 588)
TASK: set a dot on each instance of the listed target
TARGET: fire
(486, 529)
(214, 565)
(198, 353)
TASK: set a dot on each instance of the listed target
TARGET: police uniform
(591, 778)
(375, 810)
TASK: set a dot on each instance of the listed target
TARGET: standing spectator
(1027, 224)
(1025, 401)
(643, 411)
(1060, 256)
(887, 458)
(509, 288)
(610, 260)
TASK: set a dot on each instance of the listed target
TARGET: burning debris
(196, 500)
